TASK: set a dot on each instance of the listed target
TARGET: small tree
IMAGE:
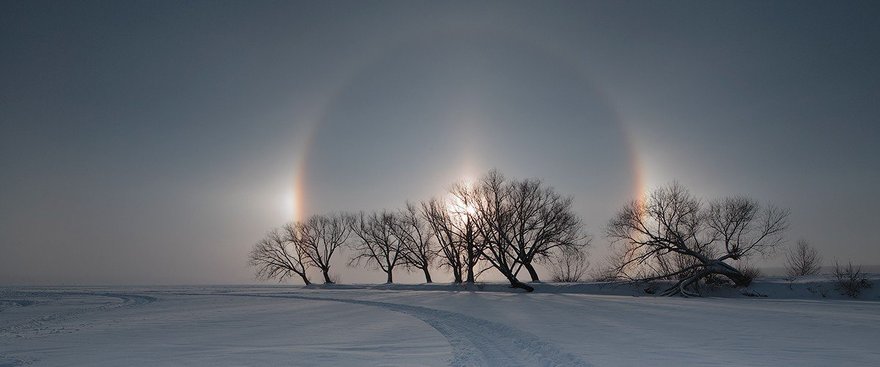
(320, 237)
(278, 256)
(568, 265)
(850, 280)
(802, 260)
(377, 245)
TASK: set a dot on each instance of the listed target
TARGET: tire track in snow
(475, 342)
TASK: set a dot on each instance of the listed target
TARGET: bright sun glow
(287, 206)
(458, 207)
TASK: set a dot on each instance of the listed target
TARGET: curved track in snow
(475, 342)
(47, 323)
(52, 322)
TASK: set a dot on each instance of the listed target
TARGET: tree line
(500, 223)
(511, 225)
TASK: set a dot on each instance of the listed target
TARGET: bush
(606, 275)
(749, 272)
(850, 280)
(569, 265)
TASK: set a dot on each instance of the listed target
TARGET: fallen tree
(673, 235)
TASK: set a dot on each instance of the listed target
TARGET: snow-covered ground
(436, 325)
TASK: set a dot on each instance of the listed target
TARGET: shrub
(569, 265)
(749, 272)
(850, 280)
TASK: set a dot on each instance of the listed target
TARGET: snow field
(364, 326)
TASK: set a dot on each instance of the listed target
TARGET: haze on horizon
(155, 142)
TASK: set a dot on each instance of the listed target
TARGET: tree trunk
(470, 262)
(720, 267)
(305, 279)
(681, 286)
(713, 267)
(514, 283)
(532, 272)
(456, 276)
(427, 275)
(326, 273)
(390, 278)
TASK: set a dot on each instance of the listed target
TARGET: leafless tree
(850, 280)
(495, 219)
(744, 228)
(542, 221)
(522, 221)
(276, 256)
(377, 245)
(464, 223)
(802, 260)
(321, 236)
(672, 222)
(436, 214)
(416, 240)
(568, 265)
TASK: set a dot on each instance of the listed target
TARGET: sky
(156, 142)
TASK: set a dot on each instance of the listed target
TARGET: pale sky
(155, 142)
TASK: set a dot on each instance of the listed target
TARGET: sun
(287, 206)
(458, 208)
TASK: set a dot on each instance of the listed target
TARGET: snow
(436, 325)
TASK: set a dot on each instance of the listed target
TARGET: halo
(337, 87)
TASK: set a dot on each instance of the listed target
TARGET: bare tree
(437, 216)
(672, 222)
(542, 221)
(377, 245)
(496, 219)
(276, 256)
(321, 236)
(850, 280)
(744, 228)
(464, 224)
(569, 265)
(416, 240)
(522, 221)
(802, 260)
